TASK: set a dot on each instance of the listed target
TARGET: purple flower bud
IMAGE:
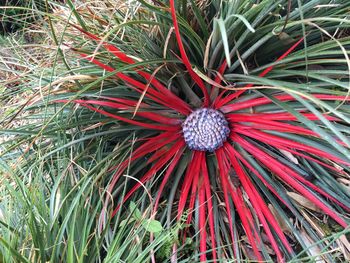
(205, 130)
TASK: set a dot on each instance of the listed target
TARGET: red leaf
(159, 118)
(202, 228)
(316, 161)
(154, 169)
(291, 49)
(283, 116)
(218, 80)
(259, 206)
(129, 106)
(222, 173)
(138, 123)
(206, 183)
(171, 96)
(303, 180)
(196, 171)
(229, 98)
(184, 57)
(243, 212)
(284, 97)
(173, 163)
(190, 183)
(151, 145)
(282, 142)
(111, 48)
(181, 105)
(186, 185)
(291, 178)
(246, 219)
(258, 122)
(156, 96)
(251, 168)
(257, 209)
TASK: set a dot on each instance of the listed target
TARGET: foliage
(104, 134)
(19, 14)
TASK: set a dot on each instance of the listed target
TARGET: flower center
(205, 130)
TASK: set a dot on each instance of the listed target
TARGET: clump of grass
(57, 202)
(17, 15)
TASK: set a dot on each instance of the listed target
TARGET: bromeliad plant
(252, 145)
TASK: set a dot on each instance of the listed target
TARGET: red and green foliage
(287, 109)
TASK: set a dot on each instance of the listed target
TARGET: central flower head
(205, 130)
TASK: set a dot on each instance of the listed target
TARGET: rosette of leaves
(276, 73)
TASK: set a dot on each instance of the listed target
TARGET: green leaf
(220, 22)
(135, 211)
(152, 226)
(124, 222)
(15, 254)
(245, 21)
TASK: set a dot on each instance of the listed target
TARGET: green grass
(55, 160)
(17, 15)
